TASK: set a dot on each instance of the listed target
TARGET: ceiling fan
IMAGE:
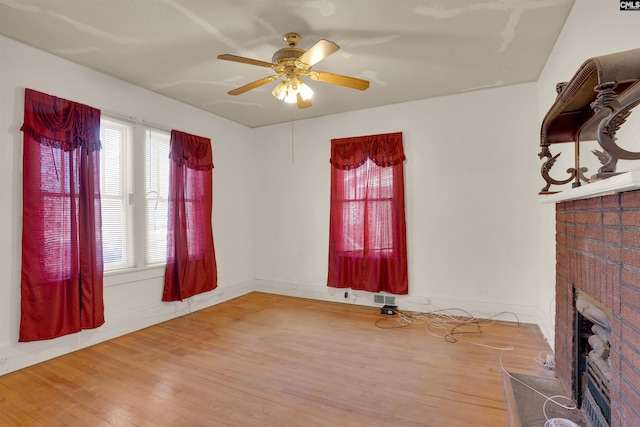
(290, 64)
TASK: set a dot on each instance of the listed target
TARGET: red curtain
(191, 263)
(61, 284)
(367, 231)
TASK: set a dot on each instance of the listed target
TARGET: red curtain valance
(383, 150)
(60, 123)
(191, 150)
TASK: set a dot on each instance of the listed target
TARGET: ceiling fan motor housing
(286, 53)
(287, 56)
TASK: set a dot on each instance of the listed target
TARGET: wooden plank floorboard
(269, 360)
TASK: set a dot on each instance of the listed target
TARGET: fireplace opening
(592, 364)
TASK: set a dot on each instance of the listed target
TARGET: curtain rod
(135, 120)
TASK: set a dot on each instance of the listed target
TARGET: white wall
(593, 28)
(132, 300)
(471, 201)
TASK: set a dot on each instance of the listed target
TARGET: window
(55, 190)
(157, 145)
(130, 239)
(116, 193)
(366, 203)
(367, 230)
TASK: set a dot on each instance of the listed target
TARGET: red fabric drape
(367, 231)
(191, 263)
(61, 284)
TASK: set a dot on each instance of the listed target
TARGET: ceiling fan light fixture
(288, 90)
(280, 90)
(305, 91)
(285, 91)
(290, 96)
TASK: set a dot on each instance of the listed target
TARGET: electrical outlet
(3, 360)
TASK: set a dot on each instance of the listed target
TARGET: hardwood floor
(269, 360)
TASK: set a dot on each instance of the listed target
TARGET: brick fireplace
(598, 253)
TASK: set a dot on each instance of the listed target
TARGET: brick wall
(598, 251)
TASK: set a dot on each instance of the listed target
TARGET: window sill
(369, 255)
(121, 277)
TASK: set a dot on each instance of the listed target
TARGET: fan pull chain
(292, 145)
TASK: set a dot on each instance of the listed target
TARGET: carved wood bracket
(591, 107)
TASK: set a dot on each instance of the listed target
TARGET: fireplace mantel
(591, 107)
(626, 181)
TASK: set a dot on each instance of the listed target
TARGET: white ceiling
(407, 49)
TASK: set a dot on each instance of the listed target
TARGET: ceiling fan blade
(302, 103)
(252, 85)
(318, 52)
(243, 60)
(337, 79)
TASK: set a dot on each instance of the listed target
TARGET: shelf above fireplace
(591, 107)
(626, 181)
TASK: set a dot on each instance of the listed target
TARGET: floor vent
(384, 299)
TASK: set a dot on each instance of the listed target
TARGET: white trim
(24, 354)
(481, 309)
(626, 181)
